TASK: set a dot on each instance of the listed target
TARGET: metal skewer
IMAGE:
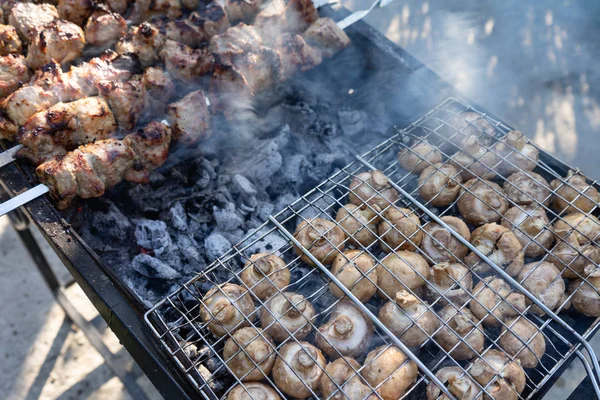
(9, 155)
(23, 198)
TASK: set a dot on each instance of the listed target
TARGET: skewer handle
(9, 155)
(23, 198)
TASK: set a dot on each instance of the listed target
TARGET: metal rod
(9, 155)
(23, 198)
(358, 15)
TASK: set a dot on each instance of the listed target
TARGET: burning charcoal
(353, 122)
(233, 236)
(295, 170)
(179, 217)
(243, 185)
(153, 235)
(113, 223)
(248, 205)
(227, 219)
(153, 268)
(216, 245)
(283, 201)
(264, 210)
(262, 163)
(270, 243)
(189, 250)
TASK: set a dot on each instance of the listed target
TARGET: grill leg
(21, 224)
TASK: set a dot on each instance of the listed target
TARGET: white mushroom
(460, 334)
(527, 188)
(493, 293)
(439, 184)
(500, 245)
(287, 313)
(400, 230)
(523, 341)
(399, 315)
(372, 188)
(516, 153)
(227, 308)
(507, 377)
(544, 281)
(359, 223)
(530, 225)
(440, 245)
(249, 353)
(470, 124)
(450, 283)
(578, 248)
(388, 369)
(265, 274)
(253, 391)
(347, 333)
(585, 298)
(474, 160)
(401, 270)
(458, 383)
(352, 269)
(345, 376)
(418, 157)
(322, 238)
(298, 370)
(481, 202)
(574, 194)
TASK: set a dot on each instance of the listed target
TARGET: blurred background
(533, 64)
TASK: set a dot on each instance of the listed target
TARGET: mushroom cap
(359, 223)
(347, 333)
(345, 375)
(458, 382)
(372, 188)
(265, 274)
(287, 312)
(253, 391)
(572, 258)
(227, 308)
(585, 298)
(470, 124)
(398, 271)
(400, 230)
(440, 245)
(450, 282)
(391, 365)
(545, 282)
(527, 188)
(474, 160)
(481, 202)
(322, 238)
(460, 329)
(530, 226)
(494, 291)
(517, 154)
(579, 227)
(574, 194)
(439, 184)
(418, 157)
(298, 369)
(399, 315)
(352, 269)
(500, 245)
(249, 353)
(512, 341)
(508, 375)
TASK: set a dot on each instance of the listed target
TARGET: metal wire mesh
(326, 225)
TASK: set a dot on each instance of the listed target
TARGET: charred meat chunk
(271, 20)
(127, 100)
(186, 32)
(13, 73)
(300, 14)
(9, 41)
(103, 29)
(144, 10)
(296, 54)
(185, 63)
(76, 11)
(61, 41)
(159, 87)
(145, 41)
(212, 20)
(190, 118)
(325, 35)
(240, 10)
(29, 18)
(151, 148)
(235, 42)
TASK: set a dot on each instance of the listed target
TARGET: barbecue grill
(179, 355)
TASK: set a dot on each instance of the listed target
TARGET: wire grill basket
(186, 320)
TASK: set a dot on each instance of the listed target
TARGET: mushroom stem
(306, 358)
(458, 387)
(223, 311)
(516, 139)
(442, 239)
(463, 324)
(343, 326)
(294, 306)
(406, 300)
(441, 275)
(471, 144)
(263, 266)
(379, 180)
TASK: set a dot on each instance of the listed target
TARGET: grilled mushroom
(523, 341)
(389, 370)
(298, 370)
(460, 329)
(530, 226)
(249, 353)
(372, 188)
(574, 194)
(527, 188)
(420, 156)
(516, 153)
(508, 376)
(344, 376)
(500, 245)
(470, 124)
(348, 331)
(450, 283)
(352, 269)
(265, 274)
(440, 245)
(399, 315)
(401, 270)
(359, 223)
(494, 294)
(475, 160)
(322, 238)
(439, 184)
(400, 230)
(458, 383)
(544, 281)
(285, 314)
(481, 202)
(227, 308)
(253, 391)
(585, 298)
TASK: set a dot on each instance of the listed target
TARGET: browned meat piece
(59, 40)
(145, 41)
(185, 63)
(300, 14)
(86, 76)
(103, 29)
(229, 90)
(13, 73)
(240, 10)
(118, 6)
(296, 54)
(190, 4)
(325, 35)
(127, 100)
(213, 20)
(271, 20)
(144, 10)
(236, 41)
(262, 69)
(159, 87)
(28, 18)
(65, 126)
(186, 32)
(9, 41)
(76, 11)
(190, 118)
(151, 148)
